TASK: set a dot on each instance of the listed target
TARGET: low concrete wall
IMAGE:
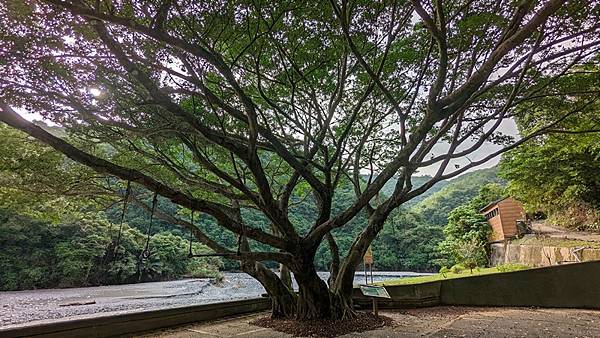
(533, 255)
(113, 325)
(415, 295)
(570, 285)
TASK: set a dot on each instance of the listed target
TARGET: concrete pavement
(442, 321)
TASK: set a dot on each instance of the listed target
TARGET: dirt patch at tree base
(325, 328)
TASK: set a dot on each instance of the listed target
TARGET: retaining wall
(571, 285)
(532, 255)
(114, 325)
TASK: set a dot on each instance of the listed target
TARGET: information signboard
(374, 291)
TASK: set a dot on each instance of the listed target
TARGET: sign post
(375, 308)
(374, 292)
(368, 260)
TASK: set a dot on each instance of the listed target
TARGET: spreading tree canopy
(222, 106)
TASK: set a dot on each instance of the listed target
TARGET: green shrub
(443, 271)
(470, 264)
(466, 236)
(457, 268)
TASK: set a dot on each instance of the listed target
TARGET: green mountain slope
(417, 181)
(434, 208)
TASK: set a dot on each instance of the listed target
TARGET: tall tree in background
(221, 106)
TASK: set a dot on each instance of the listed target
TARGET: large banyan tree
(222, 106)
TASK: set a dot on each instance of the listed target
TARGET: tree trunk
(316, 301)
(283, 299)
(283, 304)
(341, 306)
(344, 282)
(335, 259)
(286, 276)
(313, 298)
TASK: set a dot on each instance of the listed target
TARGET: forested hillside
(417, 181)
(410, 239)
(84, 251)
(435, 208)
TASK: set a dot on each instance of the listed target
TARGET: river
(19, 307)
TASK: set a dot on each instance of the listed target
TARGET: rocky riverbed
(18, 307)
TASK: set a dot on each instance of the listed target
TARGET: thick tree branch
(222, 213)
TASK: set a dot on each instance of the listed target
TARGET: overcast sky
(508, 127)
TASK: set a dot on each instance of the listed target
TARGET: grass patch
(451, 275)
(554, 241)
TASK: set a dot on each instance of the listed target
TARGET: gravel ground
(541, 228)
(19, 307)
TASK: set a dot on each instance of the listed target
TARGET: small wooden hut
(502, 215)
